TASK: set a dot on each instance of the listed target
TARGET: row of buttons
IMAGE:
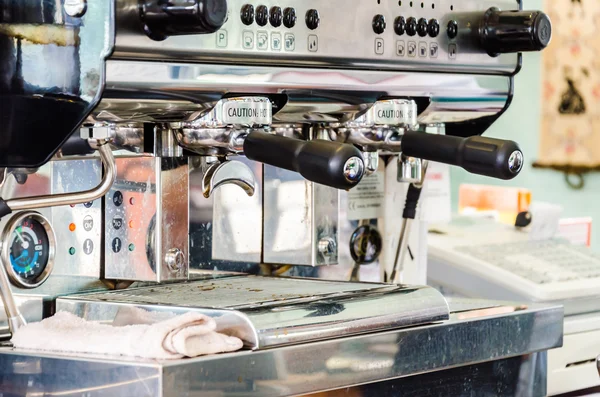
(88, 225)
(410, 26)
(276, 16)
(117, 222)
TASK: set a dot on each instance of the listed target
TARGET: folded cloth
(187, 335)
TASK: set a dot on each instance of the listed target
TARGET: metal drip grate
(229, 292)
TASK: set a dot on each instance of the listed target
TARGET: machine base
(485, 348)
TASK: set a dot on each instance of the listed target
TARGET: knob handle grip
(181, 17)
(514, 31)
(332, 164)
(495, 158)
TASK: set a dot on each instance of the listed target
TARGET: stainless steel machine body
(233, 126)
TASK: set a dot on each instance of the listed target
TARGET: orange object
(131, 224)
(72, 227)
(507, 202)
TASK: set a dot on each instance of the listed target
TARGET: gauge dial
(28, 249)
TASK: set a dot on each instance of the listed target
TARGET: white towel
(187, 335)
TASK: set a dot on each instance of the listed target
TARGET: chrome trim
(308, 95)
(55, 200)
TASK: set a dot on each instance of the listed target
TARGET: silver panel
(313, 95)
(146, 215)
(237, 221)
(344, 39)
(297, 215)
(270, 312)
(80, 270)
(471, 337)
(73, 176)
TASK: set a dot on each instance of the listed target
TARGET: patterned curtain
(570, 126)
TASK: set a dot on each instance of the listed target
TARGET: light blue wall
(521, 123)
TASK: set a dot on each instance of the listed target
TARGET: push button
(452, 29)
(116, 245)
(88, 223)
(88, 246)
(379, 24)
(289, 17)
(262, 15)
(276, 16)
(411, 26)
(118, 199)
(433, 28)
(247, 14)
(422, 27)
(312, 19)
(117, 223)
(400, 26)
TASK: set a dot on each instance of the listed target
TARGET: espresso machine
(190, 155)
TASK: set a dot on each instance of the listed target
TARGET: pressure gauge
(28, 247)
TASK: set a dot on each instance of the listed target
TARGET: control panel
(78, 227)
(59, 248)
(146, 224)
(468, 35)
(130, 212)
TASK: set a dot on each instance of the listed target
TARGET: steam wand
(408, 216)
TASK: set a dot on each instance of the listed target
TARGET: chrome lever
(228, 172)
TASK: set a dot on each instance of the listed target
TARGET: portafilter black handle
(334, 164)
(496, 158)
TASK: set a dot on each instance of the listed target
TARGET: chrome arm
(13, 315)
(402, 248)
(110, 173)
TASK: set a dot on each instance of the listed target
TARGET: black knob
(422, 27)
(289, 17)
(179, 17)
(276, 16)
(312, 19)
(379, 24)
(400, 26)
(334, 164)
(433, 28)
(247, 14)
(502, 32)
(411, 26)
(452, 29)
(262, 15)
(495, 158)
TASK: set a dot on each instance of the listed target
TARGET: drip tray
(269, 312)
